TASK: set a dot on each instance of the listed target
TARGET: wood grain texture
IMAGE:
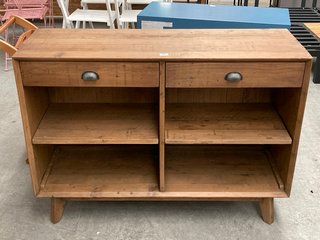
(314, 27)
(130, 172)
(147, 45)
(229, 171)
(33, 104)
(290, 103)
(98, 124)
(80, 171)
(103, 95)
(162, 126)
(267, 211)
(224, 124)
(110, 74)
(262, 74)
(219, 95)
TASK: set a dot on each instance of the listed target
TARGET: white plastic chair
(82, 15)
(126, 15)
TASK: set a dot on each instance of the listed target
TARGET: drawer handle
(233, 76)
(90, 76)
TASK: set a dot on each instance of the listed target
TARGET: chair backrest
(109, 10)
(28, 9)
(65, 12)
(24, 3)
(29, 27)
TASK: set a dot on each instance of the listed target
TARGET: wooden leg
(266, 208)
(57, 208)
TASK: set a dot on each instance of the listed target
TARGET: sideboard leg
(266, 208)
(57, 208)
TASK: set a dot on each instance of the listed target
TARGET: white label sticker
(155, 25)
(164, 54)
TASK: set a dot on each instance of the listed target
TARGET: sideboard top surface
(166, 45)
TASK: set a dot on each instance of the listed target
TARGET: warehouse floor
(22, 216)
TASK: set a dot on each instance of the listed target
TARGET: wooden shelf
(225, 171)
(101, 171)
(131, 172)
(216, 123)
(98, 124)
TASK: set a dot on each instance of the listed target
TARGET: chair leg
(6, 55)
(77, 24)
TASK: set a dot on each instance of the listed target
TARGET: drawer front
(228, 74)
(119, 74)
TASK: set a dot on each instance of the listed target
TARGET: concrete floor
(22, 216)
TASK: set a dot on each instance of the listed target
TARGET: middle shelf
(138, 123)
(98, 123)
(224, 123)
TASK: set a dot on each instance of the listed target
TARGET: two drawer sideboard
(163, 115)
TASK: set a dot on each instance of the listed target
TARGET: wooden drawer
(118, 74)
(254, 74)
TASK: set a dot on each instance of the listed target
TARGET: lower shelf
(101, 171)
(221, 171)
(130, 172)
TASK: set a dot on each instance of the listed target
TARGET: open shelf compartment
(98, 123)
(95, 171)
(222, 171)
(224, 123)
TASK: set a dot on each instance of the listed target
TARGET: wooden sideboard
(162, 115)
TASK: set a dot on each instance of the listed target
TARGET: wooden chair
(26, 9)
(7, 47)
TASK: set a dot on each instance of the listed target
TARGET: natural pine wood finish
(105, 171)
(110, 74)
(199, 108)
(266, 208)
(262, 74)
(33, 104)
(223, 171)
(219, 95)
(224, 124)
(124, 171)
(291, 105)
(314, 27)
(234, 45)
(162, 126)
(57, 209)
(103, 95)
(98, 124)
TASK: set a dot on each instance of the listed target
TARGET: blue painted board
(188, 16)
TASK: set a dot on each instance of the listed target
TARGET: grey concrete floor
(22, 216)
